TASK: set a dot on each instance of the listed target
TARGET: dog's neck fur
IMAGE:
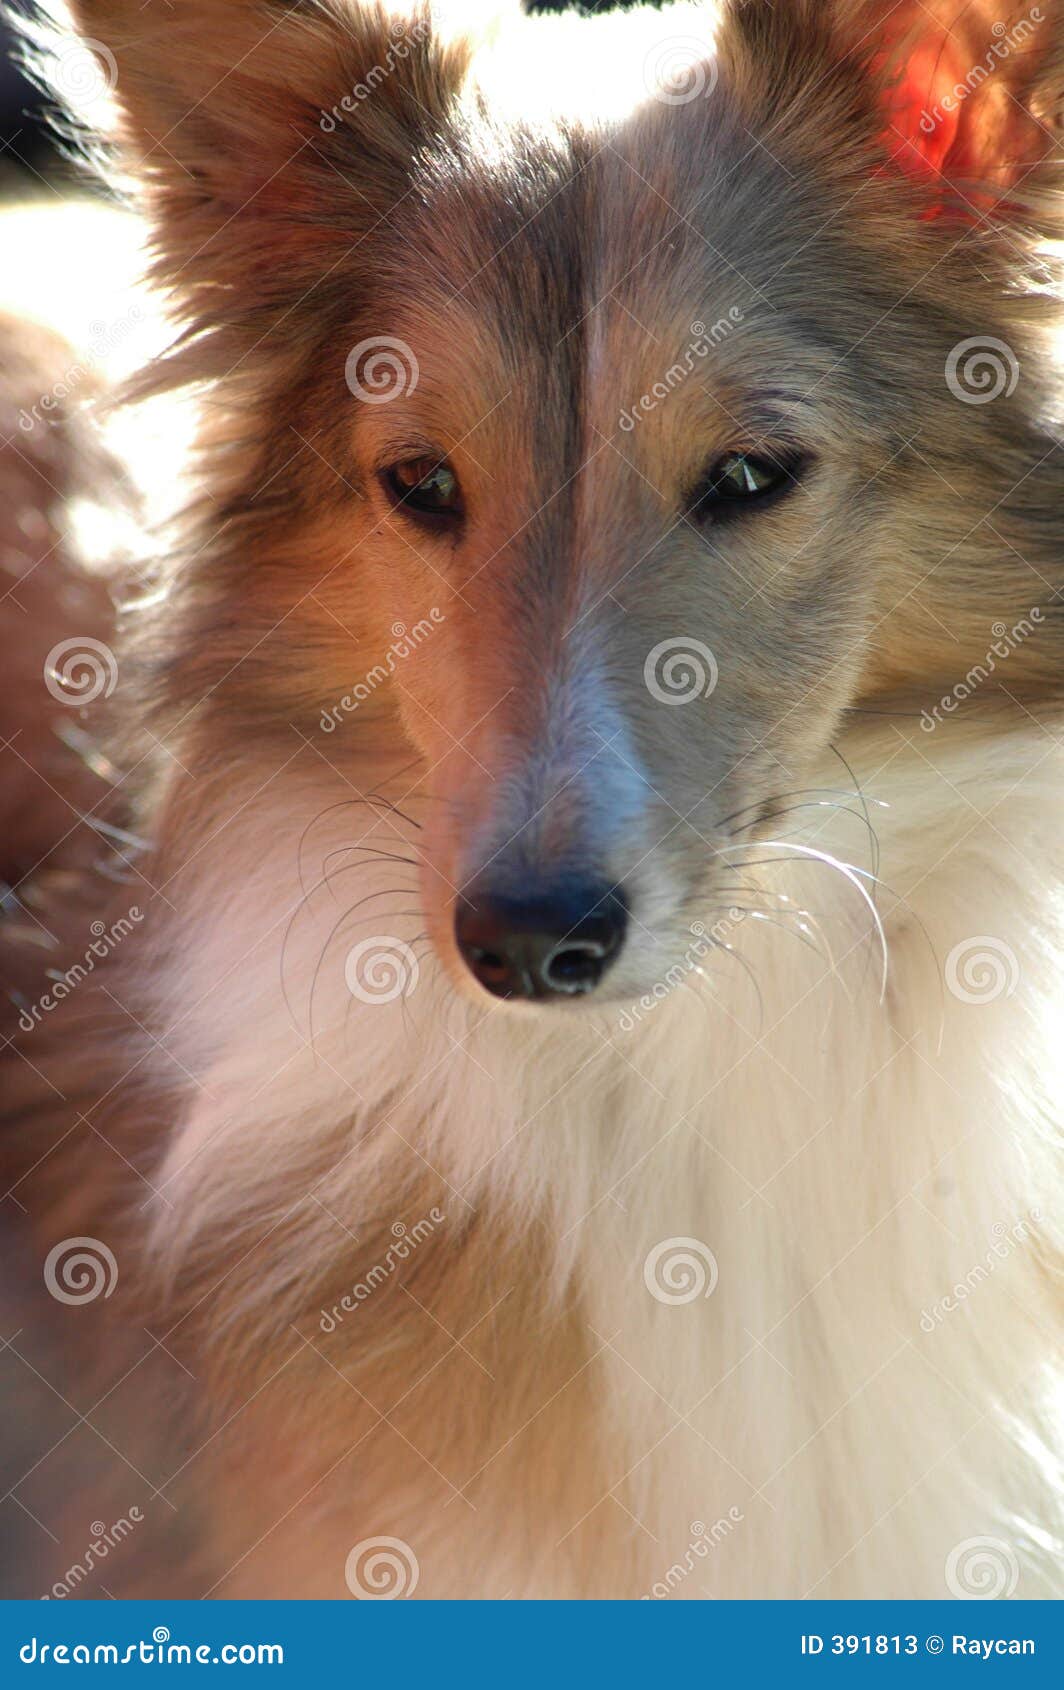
(421, 1239)
(847, 1155)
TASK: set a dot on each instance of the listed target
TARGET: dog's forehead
(549, 240)
(549, 279)
(560, 218)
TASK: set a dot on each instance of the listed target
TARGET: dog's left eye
(425, 486)
(741, 479)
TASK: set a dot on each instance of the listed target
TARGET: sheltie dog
(556, 1090)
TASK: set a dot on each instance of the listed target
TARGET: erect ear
(972, 90)
(263, 138)
(964, 97)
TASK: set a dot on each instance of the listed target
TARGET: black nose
(553, 945)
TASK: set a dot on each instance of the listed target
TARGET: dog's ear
(972, 90)
(965, 97)
(263, 138)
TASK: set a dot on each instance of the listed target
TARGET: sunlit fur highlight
(812, 1100)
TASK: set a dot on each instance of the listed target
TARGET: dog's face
(637, 430)
(644, 506)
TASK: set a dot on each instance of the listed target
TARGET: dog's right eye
(424, 486)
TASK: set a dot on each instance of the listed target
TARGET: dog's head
(617, 403)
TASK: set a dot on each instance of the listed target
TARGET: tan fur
(514, 1403)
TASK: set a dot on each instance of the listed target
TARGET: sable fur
(846, 1151)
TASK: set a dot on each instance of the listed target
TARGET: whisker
(383, 892)
(340, 804)
(744, 964)
(798, 792)
(371, 857)
(836, 809)
(864, 805)
(853, 875)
